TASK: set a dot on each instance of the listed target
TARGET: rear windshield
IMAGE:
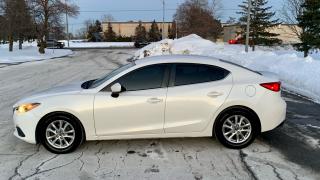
(228, 62)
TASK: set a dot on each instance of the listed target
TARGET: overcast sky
(125, 10)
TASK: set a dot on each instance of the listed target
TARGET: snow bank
(28, 53)
(298, 74)
(82, 44)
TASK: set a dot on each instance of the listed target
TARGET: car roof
(197, 59)
(178, 59)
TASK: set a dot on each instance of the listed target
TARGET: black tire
(218, 128)
(78, 136)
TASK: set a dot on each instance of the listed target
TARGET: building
(127, 29)
(230, 31)
(285, 31)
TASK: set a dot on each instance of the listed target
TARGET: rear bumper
(273, 116)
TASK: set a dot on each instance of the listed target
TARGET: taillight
(273, 86)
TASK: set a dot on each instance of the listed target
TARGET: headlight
(26, 107)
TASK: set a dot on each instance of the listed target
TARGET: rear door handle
(154, 100)
(214, 94)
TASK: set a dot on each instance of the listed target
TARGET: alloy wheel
(236, 129)
(60, 134)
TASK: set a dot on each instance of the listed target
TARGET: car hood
(74, 88)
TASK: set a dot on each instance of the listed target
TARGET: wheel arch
(238, 108)
(56, 113)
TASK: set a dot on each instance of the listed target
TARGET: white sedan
(155, 97)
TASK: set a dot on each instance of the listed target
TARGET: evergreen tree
(154, 33)
(172, 30)
(140, 33)
(94, 32)
(98, 26)
(110, 35)
(309, 21)
(261, 20)
(90, 32)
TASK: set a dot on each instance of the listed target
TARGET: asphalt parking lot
(289, 152)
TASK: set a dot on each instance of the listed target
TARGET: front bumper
(25, 126)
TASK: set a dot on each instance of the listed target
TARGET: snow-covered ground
(30, 50)
(82, 44)
(298, 74)
(28, 53)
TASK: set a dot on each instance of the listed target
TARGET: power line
(136, 10)
(142, 10)
(127, 10)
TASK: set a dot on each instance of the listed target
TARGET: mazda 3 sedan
(155, 97)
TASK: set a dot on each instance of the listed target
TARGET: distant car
(155, 97)
(233, 41)
(51, 43)
(141, 44)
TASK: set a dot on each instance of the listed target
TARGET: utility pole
(248, 26)
(176, 29)
(163, 14)
(67, 23)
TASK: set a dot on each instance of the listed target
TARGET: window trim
(173, 75)
(164, 83)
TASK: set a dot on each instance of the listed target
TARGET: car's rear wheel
(61, 134)
(236, 129)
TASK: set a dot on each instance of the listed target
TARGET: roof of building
(238, 24)
(134, 22)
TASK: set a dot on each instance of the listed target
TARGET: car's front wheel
(61, 134)
(236, 129)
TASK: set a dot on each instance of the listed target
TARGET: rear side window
(228, 62)
(149, 77)
(198, 73)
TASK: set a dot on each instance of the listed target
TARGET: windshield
(113, 73)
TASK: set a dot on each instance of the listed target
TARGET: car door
(137, 110)
(195, 93)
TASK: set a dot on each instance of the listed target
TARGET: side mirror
(116, 90)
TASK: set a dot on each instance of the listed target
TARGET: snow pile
(82, 44)
(298, 74)
(29, 52)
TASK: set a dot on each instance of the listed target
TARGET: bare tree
(3, 32)
(216, 8)
(290, 12)
(107, 18)
(25, 25)
(88, 23)
(231, 20)
(16, 21)
(81, 33)
(3, 22)
(195, 16)
(48, 14)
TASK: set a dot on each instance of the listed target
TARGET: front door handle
(154, 100)
(214, 94)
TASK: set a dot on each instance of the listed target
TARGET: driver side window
(149, 77)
